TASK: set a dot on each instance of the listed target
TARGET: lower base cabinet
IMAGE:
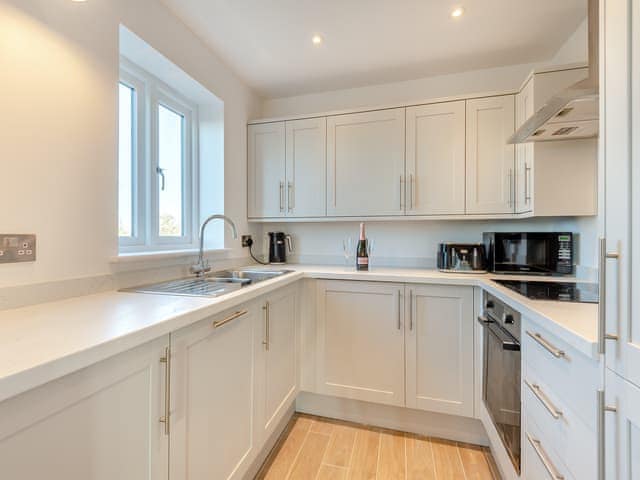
(621, 441)
(439, 349)
(376, 341)
(360, 341)
(100, 423)
(212, 402)
(276, 359)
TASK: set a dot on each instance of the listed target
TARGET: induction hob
(555, 291)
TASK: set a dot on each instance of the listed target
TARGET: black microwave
(538, 253)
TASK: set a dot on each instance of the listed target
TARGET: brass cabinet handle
(230, 318)
(167, 389)
(556, 352)
(542, 455)
(267, 327)
(602, 306)
(537, 391)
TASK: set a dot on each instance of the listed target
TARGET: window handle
(160, 171)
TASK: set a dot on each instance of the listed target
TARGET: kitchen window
(157, 164)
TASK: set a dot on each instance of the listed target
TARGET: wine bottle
(362, 256)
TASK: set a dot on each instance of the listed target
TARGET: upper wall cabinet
(490, 160)
(547, 171)
(365, 163)
(287, 169)
(306, 143)
(266, 170)
(435, 156)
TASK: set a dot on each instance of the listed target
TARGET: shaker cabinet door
(365, 163)
(360, 341)
(490, 160)
(439, 343)
(306, 142)
(435, 182)
(266, 182)
(212, 375)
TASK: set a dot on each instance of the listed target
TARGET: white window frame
(150, 92)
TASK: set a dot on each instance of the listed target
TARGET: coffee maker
(279, 243)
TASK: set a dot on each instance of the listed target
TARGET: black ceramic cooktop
(556, 291)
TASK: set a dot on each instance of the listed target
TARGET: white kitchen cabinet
(439, 349)
(212, 398)
(360, 341)
(524, 151)
(266, 181)
(306, 167)
(100, 423)
(435, 159)
(490, 159)
(365, 163)
(622, 192)
(622, 429)
(553, 178)
(276, 359)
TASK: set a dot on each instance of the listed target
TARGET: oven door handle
(508, 342)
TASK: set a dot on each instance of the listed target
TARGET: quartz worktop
(40, 343)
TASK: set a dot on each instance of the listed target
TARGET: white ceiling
(268, 42)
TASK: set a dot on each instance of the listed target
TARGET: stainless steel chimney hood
(572, 113)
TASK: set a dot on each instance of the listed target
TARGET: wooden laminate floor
(314, 448)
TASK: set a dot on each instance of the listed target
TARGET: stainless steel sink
(213, 285)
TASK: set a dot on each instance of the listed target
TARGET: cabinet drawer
(567, 373)
(565, 433)
(540, 460)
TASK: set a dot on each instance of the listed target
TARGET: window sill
(134, 257)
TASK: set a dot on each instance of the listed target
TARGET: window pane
(170, 154)
(125, 161)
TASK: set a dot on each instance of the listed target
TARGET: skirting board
(269, 445)
(449, 427)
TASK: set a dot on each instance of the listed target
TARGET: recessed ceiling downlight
(316, 39)
(457, 12)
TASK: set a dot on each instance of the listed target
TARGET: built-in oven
(501, 372)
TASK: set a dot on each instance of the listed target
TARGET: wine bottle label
(363, 261)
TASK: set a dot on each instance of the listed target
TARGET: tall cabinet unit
(620, 266)
(365, 163)
(101, 422)
(266, 180)
(435, 159)
(490, 159)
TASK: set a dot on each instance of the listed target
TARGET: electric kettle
(279, 243)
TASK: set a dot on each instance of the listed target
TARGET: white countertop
(43, 342)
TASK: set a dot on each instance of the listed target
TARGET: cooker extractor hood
(573, 112)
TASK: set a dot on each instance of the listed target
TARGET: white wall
(411, 91)
(414, 243)
(574, 49)
(59, 63)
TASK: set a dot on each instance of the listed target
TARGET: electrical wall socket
(17, 248)
(246, 240)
